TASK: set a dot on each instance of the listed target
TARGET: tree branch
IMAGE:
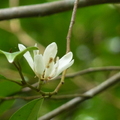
(86, 71)
(82, 72)
(47, 8)
(91, 93)
(20, 97)
(56, 97)
(90, 70)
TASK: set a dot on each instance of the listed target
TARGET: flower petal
(27, 55)
(50, 52)
(64, 63)
(39, 66)
(60, 69)
(55, 69)
(65, 59)
(49, 69)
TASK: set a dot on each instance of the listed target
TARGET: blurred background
(95, 43)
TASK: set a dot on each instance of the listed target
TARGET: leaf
(5, 105)
(15, 81)
(29, 111)
(8, 88)
(15, 55)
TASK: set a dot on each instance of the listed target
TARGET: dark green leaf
(29, 111)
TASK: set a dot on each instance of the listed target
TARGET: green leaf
(15, 55)
(5, 105)
(29, 111)
(15, 81)
(8, 88)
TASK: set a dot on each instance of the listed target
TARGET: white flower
(45, 66)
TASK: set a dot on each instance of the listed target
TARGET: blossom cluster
(47, 66)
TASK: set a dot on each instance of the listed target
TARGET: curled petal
(50, 52)
(39, 66)
(27, 55)
(65, 59)
(64, 63)
(62, 68)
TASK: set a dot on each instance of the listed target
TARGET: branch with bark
(46, 9)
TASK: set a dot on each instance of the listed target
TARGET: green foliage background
(95, 42)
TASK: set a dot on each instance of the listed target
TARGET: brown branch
(68, 44)
(56, 97)
(71, 25)
(91, 93)
(90, 70)
(86, 71)
(20, 97)
(47, 8)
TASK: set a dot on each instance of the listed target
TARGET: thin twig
(20, 97)
(82, 72)
(61, 82)
(57, 97)
(71, 25)
(20, 72)
(67, 44)
(19, 83)
(111, 68)
(91, 70)
(46, 9)
(24, 83)
(91, 93)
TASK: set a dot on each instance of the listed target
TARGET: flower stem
(20, 72)
(40, 83)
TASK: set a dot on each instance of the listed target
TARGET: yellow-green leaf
(11, 57)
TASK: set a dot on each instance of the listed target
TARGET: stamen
(55, 68)
(50, 60)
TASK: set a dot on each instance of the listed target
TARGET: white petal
(64, 63)
(39, 66)
(50, 52)
(49, 69)
(55, 69)
(65, 59)
(27, 55)
(61, 69)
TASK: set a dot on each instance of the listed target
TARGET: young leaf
(29, 111)
(15, 55)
